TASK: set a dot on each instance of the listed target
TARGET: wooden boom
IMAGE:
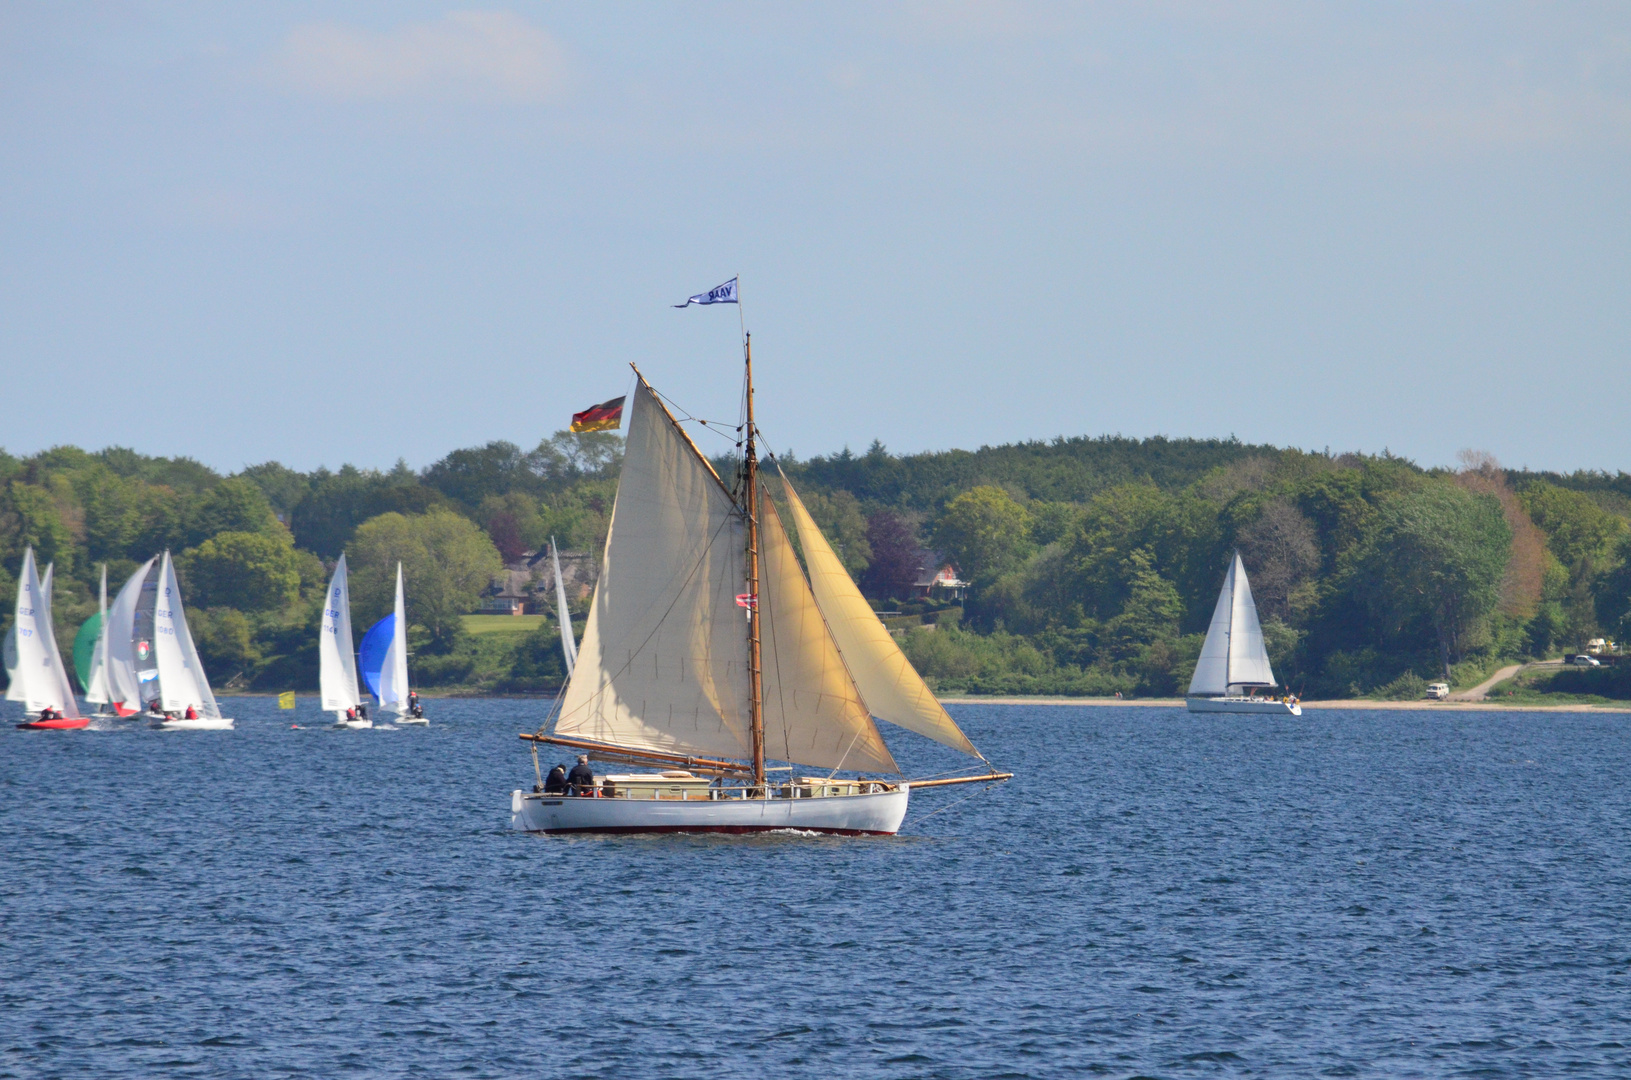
(987, 777)
(653, 756)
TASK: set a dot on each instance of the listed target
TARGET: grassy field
(501, 624)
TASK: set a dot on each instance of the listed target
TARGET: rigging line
(959, 802)
(709, 424)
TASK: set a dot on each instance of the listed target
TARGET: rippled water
(1350, 894)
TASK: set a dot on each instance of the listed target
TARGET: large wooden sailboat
(1233, 670)
(708, 652)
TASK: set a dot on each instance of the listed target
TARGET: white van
(1437, 691)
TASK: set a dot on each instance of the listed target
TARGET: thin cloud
(463, 56)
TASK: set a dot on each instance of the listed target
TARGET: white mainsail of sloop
(393, 674)
(569, 646)
(891, 687)
(39, 680)
(1234, 654)
(663, 664)
(123, 682)
(97, 690)
(182, 681)
(336, 651)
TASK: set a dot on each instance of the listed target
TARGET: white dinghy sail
(336, 651)
(97, 689)
(124, 682)
(39, 679)
(563, 616)
(1234, 662)
(706, 649)
(182, 682)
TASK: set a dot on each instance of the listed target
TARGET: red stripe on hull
(738, 830)
(65, 724)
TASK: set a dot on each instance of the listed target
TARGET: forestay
(890, 686)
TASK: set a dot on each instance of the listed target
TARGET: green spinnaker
(85, 649)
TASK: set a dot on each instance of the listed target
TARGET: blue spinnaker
(371, 657)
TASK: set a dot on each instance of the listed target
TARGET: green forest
(1093, 563)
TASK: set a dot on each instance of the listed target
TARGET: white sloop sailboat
(1234, 664)
(181, 679)
(336, 656)
(670, 677)
(38, 678)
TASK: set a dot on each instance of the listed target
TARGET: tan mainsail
(663, 662)
(889, 684)
(812, 712)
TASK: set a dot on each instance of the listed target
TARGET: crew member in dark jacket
(581, 779)
(555, 782)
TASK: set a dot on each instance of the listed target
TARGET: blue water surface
(1348, 894)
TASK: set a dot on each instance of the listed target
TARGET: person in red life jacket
(192, 713)
(350, 714)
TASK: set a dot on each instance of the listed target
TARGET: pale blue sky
(355, 232)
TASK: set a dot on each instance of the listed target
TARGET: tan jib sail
(663, 664)
(813, 713)
(889, 684)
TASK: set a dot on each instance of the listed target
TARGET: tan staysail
(663, 664)
(813, 713)
(889, 684)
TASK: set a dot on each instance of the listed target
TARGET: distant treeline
(1094, 563)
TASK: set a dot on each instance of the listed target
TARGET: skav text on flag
(719, 294)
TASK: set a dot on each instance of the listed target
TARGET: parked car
(1437, 691)
(1586, 661)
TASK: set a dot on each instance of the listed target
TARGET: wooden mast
(755, 670)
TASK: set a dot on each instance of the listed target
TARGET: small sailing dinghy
(670, 677)
(38, 678)
(1234, 664)
(181, 683)
(385, 660)
(336, 660)
(128, 655)
(93, 659)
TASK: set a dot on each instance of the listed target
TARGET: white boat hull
(358, 724)
(416, 720)
(877, 814)
(1244, 705)
(203, 723)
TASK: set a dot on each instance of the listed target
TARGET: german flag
(607, 416)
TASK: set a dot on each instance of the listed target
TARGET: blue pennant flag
(723, 294)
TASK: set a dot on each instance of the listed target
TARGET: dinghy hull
(412, 721)
(202, 723)
(67, 723)
(1243, 705)
(877, 814)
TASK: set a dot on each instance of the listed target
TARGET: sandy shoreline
(1308, 706)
